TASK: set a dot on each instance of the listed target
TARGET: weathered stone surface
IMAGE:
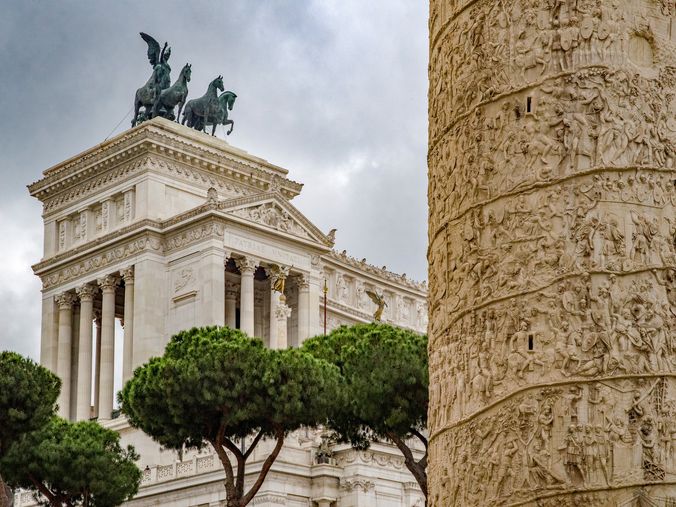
(552, 145)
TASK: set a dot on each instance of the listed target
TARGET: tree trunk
(6, 495)
(417, 468)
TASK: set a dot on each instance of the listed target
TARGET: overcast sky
(333, 90)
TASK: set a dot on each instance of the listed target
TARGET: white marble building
(164, 228)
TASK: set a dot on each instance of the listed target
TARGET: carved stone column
(303, 308)
(65, 302)
(84, 374)
(552, 263)
(97, 361)
(247, 267)
(231, 307)
(128, 348)
(108, 285)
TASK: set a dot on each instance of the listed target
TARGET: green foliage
(386, 379)
(384, 388)
(215, 377)
(217, 385)
(73, 463)
(28, 393)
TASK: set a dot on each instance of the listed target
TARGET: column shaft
(231, 308)
(107, 366)
(84, 373)
(246, 313)
(97, 363)
(303, 310)
(128, 351)
(65, 302)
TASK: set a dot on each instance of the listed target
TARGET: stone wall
(552, 231)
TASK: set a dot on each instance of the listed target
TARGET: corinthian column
(84, 366)
(303, 309)
(230, 307)
(107, 359)
(128, 358)
(247, 267)
(65, 302)
(552, 220)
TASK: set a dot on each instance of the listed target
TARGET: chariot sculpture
(158, 97)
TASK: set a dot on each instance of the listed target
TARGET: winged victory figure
(148, 95)
(379, 300)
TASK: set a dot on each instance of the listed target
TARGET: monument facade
(552, 233)
(163, 228)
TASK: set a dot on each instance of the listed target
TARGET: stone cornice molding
(174, 142)
(54, 274)
(383, 275)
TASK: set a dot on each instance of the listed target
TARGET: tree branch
(420, 436)
(416, 468)
(42, 488)
(253, 444)
(267, 464)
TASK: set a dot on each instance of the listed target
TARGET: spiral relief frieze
(552, 251)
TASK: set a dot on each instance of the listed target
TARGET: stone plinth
(552, 228)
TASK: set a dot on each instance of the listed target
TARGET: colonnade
(92, 303)
(95, 305)
(278, 312)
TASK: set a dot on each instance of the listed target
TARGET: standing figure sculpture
(199, 111)
(149, 94)
(173, 96)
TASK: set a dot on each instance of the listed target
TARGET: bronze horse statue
(173, 96)
(199, 111)
(226, 101)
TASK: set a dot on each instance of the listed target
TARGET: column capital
(246, 265)
(65, 300)
(231, 293)
(87, 292)
(128, 275)
(282, 311)
(302, 280)
(108, 283)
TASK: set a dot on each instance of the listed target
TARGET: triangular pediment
(272, 211)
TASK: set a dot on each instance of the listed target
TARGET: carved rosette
(552, 230)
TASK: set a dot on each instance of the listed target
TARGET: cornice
(174, 142)
(348, 262)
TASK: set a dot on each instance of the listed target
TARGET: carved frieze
(552, 251)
